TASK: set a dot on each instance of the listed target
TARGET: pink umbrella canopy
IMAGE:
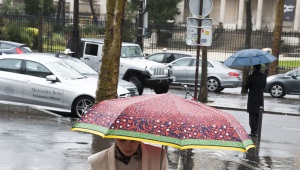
(165, 119)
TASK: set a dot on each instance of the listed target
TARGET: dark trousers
(253, 122)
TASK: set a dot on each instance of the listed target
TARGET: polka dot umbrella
(165, 119)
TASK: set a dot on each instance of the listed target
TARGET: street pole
(75, 32)
(40, 26)
(140, 25)
(198, 51)
(260, 116)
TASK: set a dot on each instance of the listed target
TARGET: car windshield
(65, 71)
(131, 51)
(79, 66)
(293, 72)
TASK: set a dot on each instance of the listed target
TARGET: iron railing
(23, 28)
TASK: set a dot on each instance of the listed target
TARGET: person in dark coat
(256, 83)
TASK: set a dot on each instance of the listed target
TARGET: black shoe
(253, 134)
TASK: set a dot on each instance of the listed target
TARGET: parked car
(86, 70)
(133, 66)
(281, 84)
(219, 76)
(10, 47)
(167, 56)
(47, 82)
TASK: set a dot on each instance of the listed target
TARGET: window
(183, 62)
(158, 58)
(36, 69)
(6, 46)
(295, 73)
(200, 63)
(131, 51)
(91, 49)
(10, 65)
(170, 57)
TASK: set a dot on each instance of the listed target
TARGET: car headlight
(167, 71)
(151, 71)
(270, 78)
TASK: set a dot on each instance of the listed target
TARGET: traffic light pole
(140, 28)
(198, 51)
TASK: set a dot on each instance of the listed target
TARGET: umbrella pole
(161, 155)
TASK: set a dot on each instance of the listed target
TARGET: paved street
(36, 139)
(232, 99)
(42, 141)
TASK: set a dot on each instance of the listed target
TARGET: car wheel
(213, 84)
(277, 90)
(82, 105)
(161, 89)
(137, 83)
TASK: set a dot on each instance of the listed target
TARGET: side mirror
(51, 78)
(169, 65)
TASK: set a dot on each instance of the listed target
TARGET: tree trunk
(75, 39)
(59, 11)
(247, 42)
(108, 78)
(40, 26)
(202, 97)
(63, 13)
(93, 12)
(277, 36)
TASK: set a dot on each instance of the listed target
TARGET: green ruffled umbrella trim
(163, 140)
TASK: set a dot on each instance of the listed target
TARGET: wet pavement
(232, 99)
(37, 139)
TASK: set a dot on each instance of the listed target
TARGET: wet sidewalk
(232, 99)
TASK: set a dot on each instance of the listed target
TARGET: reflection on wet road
(47, 143)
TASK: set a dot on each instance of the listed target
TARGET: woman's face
(127, 147)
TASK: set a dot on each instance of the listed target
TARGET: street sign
(194, 6)
(192, 36)
(194, 21)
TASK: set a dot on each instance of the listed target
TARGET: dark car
(281, 84)
(167, 56)
(10, 47)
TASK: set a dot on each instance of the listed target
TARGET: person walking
(129, 155)
(256, 84)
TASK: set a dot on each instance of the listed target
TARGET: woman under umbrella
(129, 155)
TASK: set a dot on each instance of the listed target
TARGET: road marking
(290, 128)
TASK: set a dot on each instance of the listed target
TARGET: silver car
(281, 84)
(10, 47)
(219, 76)
(46, 82)
(167, 56)
(86, 70)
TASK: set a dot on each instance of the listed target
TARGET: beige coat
(105, 160)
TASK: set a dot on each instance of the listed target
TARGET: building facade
(229, 13)
(232, 14)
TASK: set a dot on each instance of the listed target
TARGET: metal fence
(56, 34)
